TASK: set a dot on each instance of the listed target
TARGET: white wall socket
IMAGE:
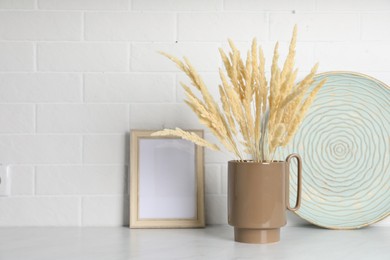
(4, 181)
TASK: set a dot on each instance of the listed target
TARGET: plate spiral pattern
(344, 142)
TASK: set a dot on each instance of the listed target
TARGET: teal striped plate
(344, 142)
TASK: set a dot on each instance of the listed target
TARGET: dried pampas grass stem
(190, 136)
(255, 114)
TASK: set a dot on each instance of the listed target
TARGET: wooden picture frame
(166, 181)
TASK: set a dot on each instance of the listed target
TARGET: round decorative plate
(344, 142)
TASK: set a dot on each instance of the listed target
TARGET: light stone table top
(213, 242)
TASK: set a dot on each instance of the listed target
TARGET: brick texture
(77, 75)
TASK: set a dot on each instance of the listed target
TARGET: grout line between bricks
(82, 139)
(82, 76)
(62, 134)
(72, 196)
(81, 211)
(184, 42)
(35, 119)
(129, 52)
(34, 180)
(35, 57)
(73, 164)
(82, 26)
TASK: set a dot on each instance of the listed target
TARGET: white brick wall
(20, 4)
(191, 26)
(82, 118)
(16, 56)
(83, 4)
(82, 56)
(36, 25)
(105, 149)
(77, 75)
(129, 88)
(40, 88)
(129, 26)
(64, 180)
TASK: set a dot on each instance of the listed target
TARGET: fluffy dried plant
(256, 117)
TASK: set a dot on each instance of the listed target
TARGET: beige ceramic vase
(257, 196)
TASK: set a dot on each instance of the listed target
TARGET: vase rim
(255, 162)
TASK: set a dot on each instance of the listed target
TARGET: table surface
(213, 242)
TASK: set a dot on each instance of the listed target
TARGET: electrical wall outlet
(4, 181)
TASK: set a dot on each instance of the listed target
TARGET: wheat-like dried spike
(215, 128)
(247, 101)
(232, 45)
(274, 108)
(196, 79)
(274, 90)
(309, 100)
(190, 136)
(235, 105)
(198, 107)
(261, 131)
(242, 72)
(276, 138)
(188, 92)
(295, 98)
(286, 82)
(215, 117)
(213, 123)
(250, 124)
(204, 115)
(178, 62)
(227, 106)
(294, 125)
(263, 81)
(300, 89)
(227, 110)
(308, 79)
(243, 79)
(255, 69)
(238, 113)
(235, 69)
(209, 121)
(235, 57)
(286, 86)
(282, 106)
(289, 63)
(257, 91)
(209, 100)
(226, 62)
(249, 88)
(279, 111)
(274, 69)
(230, 146)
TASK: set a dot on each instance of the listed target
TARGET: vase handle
(299, 180)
